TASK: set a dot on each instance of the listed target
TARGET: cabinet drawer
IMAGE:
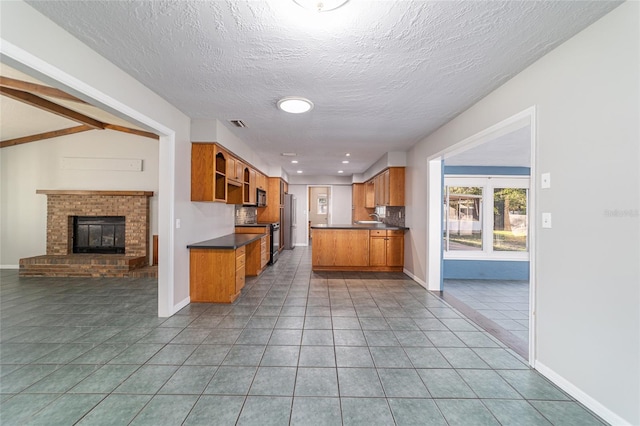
(239, 279)
(378, 233)
(241, 251)
(240, 262)
(395, 233)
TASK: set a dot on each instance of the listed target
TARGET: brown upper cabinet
(359, 209)
(261, 181)
(275, 194)
(249, 186)
(234, 169)
(385, 189)
(208, 172)
(217, 175)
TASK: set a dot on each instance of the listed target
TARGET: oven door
(275, 242)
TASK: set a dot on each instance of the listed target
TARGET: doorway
(319, 206)
(481, 257)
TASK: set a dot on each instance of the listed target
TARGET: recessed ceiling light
(294, 161)
(345, 161)
(299, 171)
(320, 5)
(347, 155)
(340, 171)
(288, 154)
(295, 104)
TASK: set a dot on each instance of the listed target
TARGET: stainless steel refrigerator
(289, 223)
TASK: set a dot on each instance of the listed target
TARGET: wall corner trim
(585, 399)
(180, 305)
(415, 278)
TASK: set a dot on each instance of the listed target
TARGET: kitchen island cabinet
(357, 247)
(217, 267)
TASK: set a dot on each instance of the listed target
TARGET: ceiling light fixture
(345, 161)
(320, 5)
(294, 161)
(295, 104)
(340, 171)
(299, 171)
(347, 155)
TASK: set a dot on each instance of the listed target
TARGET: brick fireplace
(65, 205)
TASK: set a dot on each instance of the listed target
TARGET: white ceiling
(382, 74)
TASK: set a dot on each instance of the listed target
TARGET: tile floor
(505, 304)
(296, 348)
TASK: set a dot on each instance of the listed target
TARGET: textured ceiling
(382, 74)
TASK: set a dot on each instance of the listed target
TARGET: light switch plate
(545, 180)
(178, 224)
(546, 220)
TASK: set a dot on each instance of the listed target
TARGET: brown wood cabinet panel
(387, 248)
(337, 247)
(208, 172)
(395, 251)
(396, 186)
(386, 188)
(378, 251)
(271, 213)
(212, 275)
(359, 207)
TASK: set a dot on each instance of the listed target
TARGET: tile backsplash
(246, 215)
(393, 216)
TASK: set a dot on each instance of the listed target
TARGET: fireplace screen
(98, 234)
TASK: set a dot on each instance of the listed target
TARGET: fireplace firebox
(99, 234)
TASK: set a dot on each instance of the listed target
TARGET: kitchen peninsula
(358, 247)
(218, 266)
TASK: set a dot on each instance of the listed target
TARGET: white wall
(587, 309)
(38, 165)
(341, 197)
(301, 193)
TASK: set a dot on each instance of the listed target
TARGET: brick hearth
(60, 260)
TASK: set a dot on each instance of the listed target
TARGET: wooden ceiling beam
(45, 135)
(51, 107)
(40, 89)
(131, 131)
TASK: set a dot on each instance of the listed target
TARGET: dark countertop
(373, 226)
(231, 241)
(252, 225)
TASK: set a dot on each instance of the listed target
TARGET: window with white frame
(485, 217)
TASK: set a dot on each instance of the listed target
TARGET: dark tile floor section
(296, 348)
(504, 302)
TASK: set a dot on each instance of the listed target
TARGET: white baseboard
(413, 277)
(181, 305)
(585, 399)
(301, 245)
(9, 266)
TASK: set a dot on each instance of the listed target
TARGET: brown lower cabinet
(216, 275)
(386, 248)
(357, 250)
(217, 268)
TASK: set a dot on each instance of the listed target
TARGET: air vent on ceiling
(238, 123)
